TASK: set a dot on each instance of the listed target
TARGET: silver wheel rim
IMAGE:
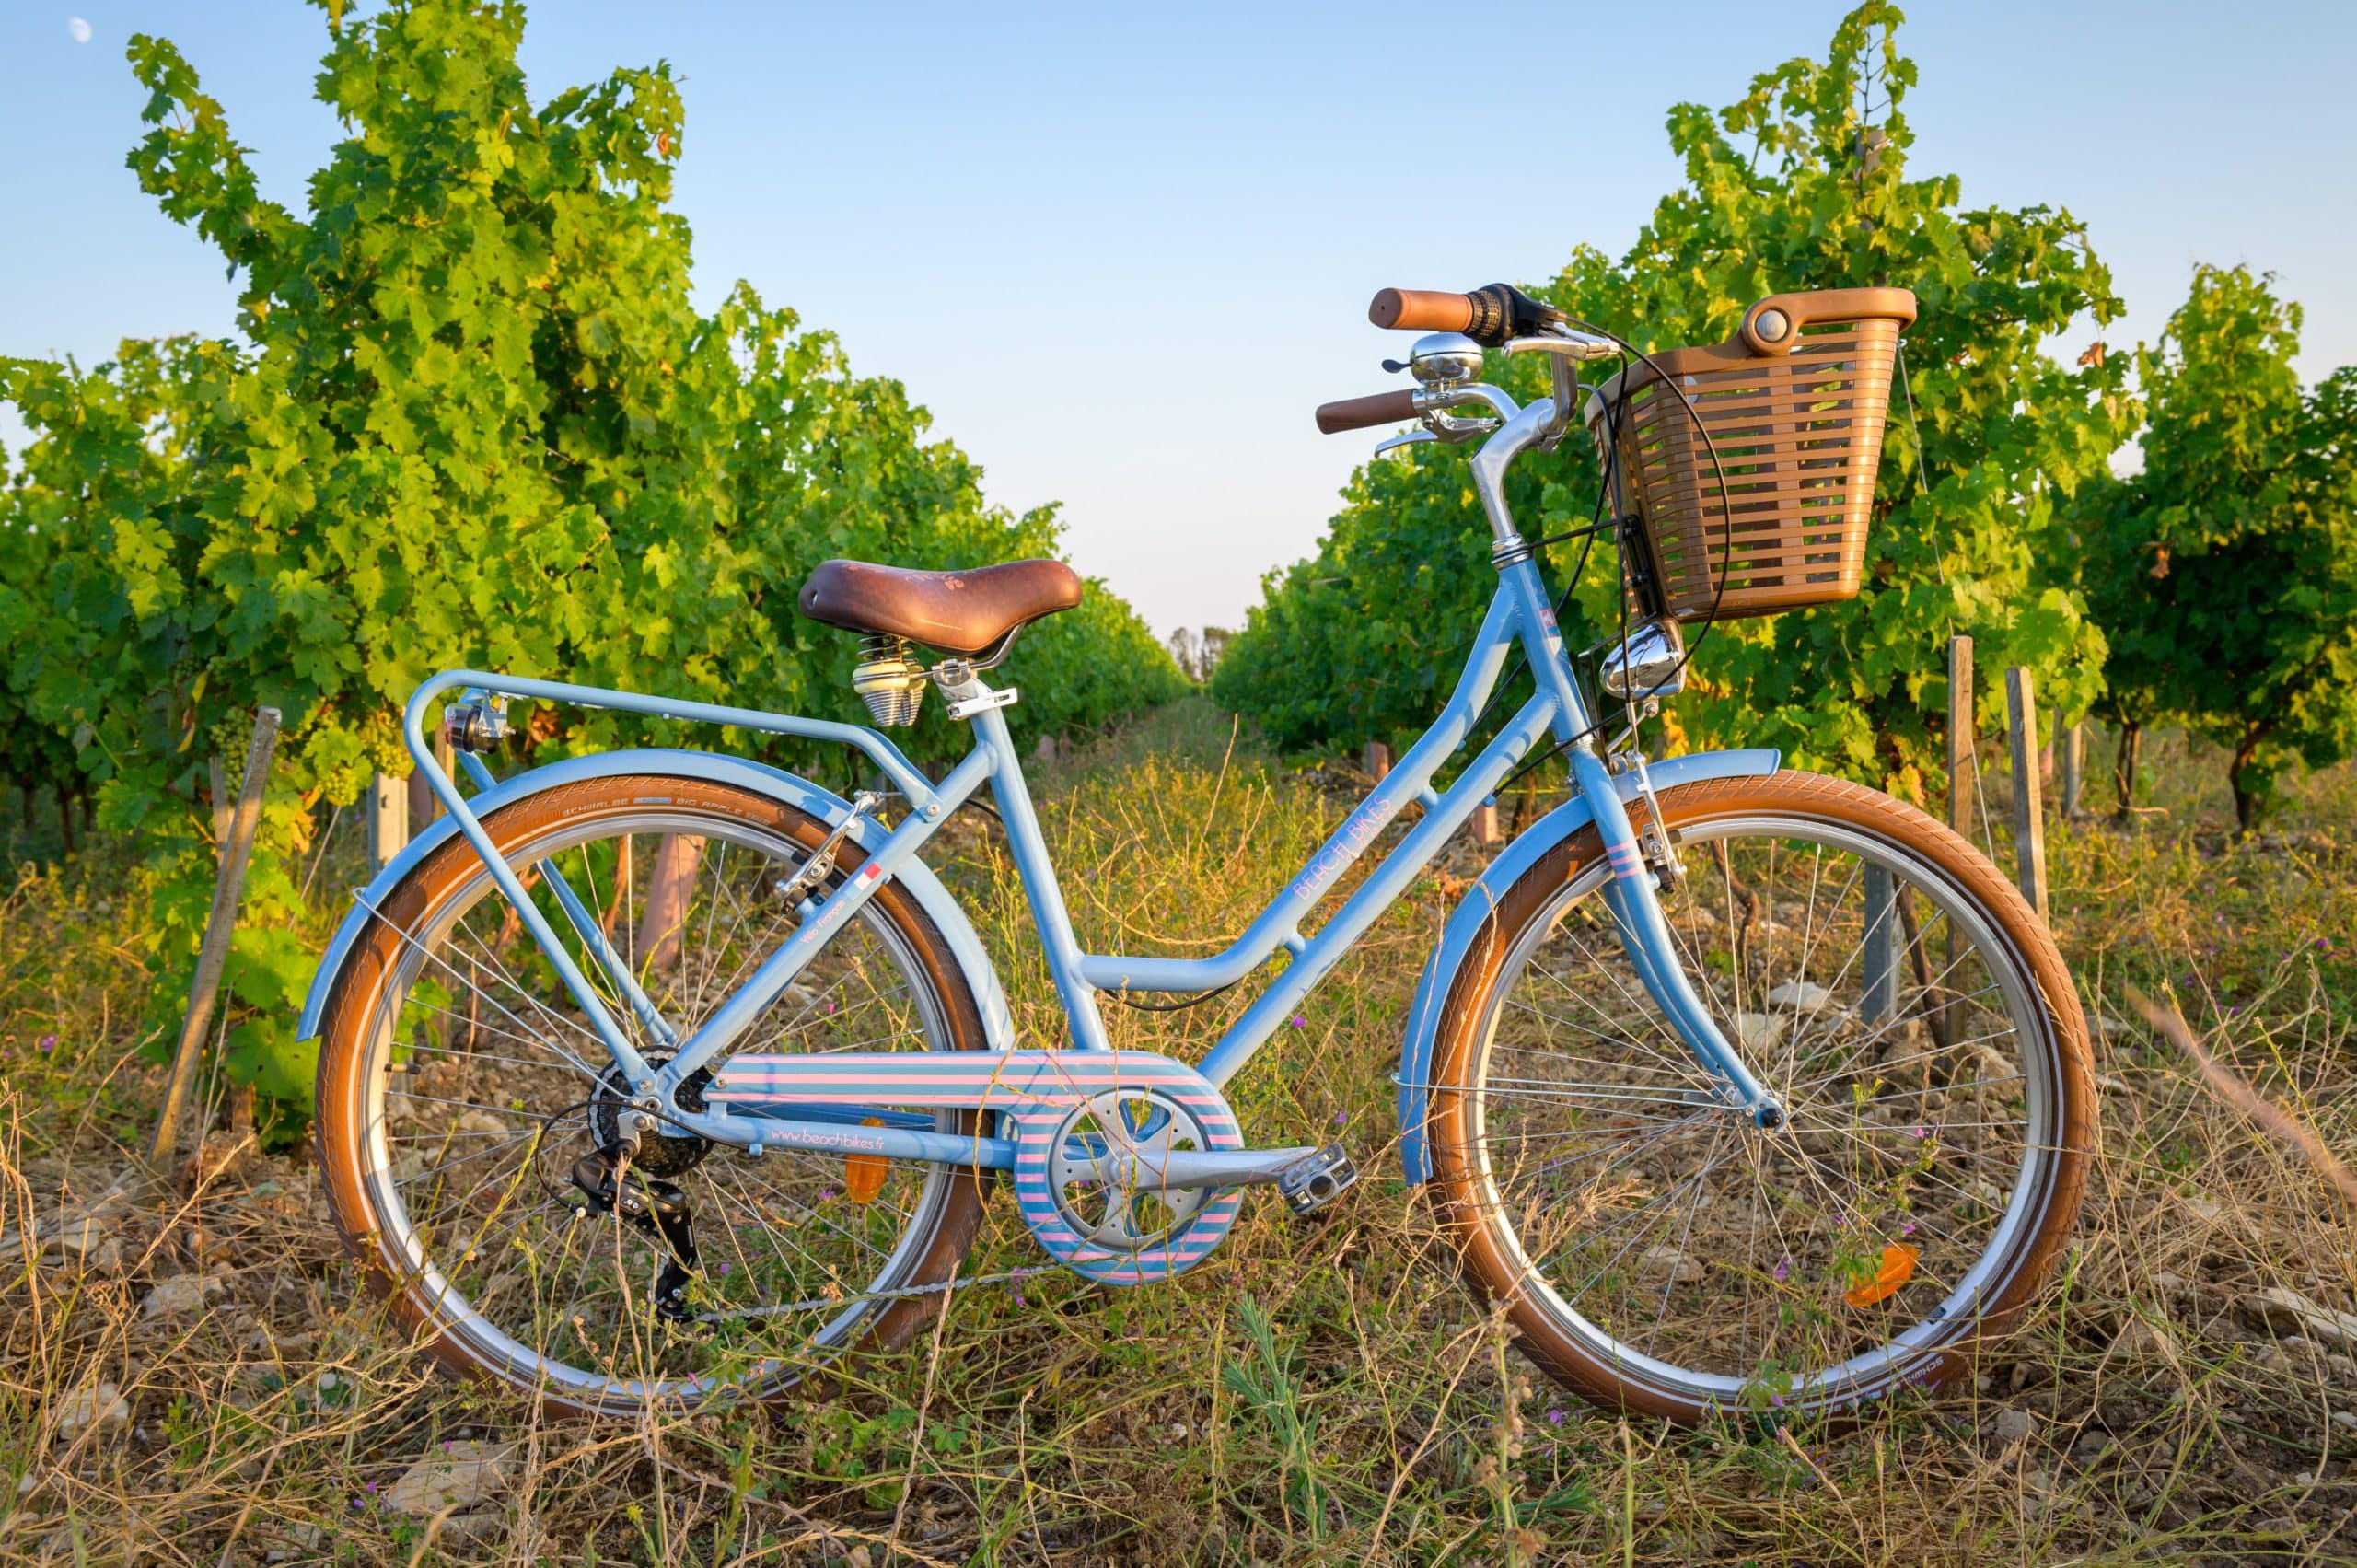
(452, 1308)
(1870, 1371)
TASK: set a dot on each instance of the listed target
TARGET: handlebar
(1493, 317)
(1361, 414)
(1420, 310)
(1489, 316)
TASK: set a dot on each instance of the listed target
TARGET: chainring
(1102, 1168)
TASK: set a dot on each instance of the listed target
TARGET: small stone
(460, 1478)
(2206, 1209)
(330, 1382)
(73, 1235)
(2141, 1338)
(78, 1236)
(484, 1122)
(1758, 1031)
(294, 1541)
(1801, 996)
(2012, 1425)
(2170, 1284)
(181, 1293)
(2112, 1086)
(2284, 1311)
(1680, 1267)
(102, 1408)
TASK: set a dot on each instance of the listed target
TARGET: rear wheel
(1909, 1010)
(459, 1085)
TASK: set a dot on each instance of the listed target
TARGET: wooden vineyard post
(213, 954)
(1377, 759)
(1485, 823)
(423, 808)
(1961, 739)
(387, 804)
(2029, 818)
(224, 811)
(417, 805)
(2070, 753)
(1882, 948)
(669, 888)
(1963, 742)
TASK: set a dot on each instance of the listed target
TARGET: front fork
(1628, 892)
(1652, 951)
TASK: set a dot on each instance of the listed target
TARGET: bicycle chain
(905, 1293)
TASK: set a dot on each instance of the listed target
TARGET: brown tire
(1660, 1255)
(483, 1040)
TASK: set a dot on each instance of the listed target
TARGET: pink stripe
(1035, 1083)
(1075, 1065)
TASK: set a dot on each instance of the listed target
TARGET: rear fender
(1485, 895)
(998, 1023)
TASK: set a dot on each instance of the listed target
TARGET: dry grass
(1322, 1394)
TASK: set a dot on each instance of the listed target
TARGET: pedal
(1310, 1184)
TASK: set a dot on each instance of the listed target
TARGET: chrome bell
(1648, 662)
(1442, 359)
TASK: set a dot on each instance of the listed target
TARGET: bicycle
(664, 1076)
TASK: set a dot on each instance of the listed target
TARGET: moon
(79, 28)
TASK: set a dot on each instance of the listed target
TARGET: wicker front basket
(1794, 405)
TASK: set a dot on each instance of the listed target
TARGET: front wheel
(1909, 1010)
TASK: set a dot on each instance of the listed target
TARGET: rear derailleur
(652, 1205)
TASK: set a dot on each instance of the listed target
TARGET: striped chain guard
(1034, 1094)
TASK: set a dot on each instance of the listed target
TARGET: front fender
(998, 1022)
(1488, 890)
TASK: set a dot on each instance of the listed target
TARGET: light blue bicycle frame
(1519, 613)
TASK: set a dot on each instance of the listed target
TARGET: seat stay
(928, 808)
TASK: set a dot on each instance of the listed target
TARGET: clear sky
(1120, 252)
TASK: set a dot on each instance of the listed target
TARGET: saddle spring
(889, 678)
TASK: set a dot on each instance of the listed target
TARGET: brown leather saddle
(957, 613)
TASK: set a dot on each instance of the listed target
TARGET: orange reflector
(1898, 1268)
(863, 1174)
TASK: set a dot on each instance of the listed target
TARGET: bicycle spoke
(482, 1144)
(1696, 1239)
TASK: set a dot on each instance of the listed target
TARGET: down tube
(1388, 880)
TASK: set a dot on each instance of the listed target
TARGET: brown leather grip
(1358, 414)
(1420, 310)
